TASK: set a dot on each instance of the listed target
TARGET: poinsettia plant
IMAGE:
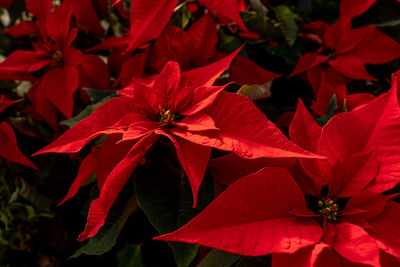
(199, 133)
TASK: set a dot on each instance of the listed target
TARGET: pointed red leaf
(353, 175)
(251, 218)
(39, 8)
(386, 229)
(93, 73)
(353, 8)
(246, 132)
(86, 170)
(22, 29)
(351, 66)
(100, 207)
(307, 62)
(375, 47)
(86, 17)
(192, 48)
(5, 102)
(245, 71)
(356, 245)
(304, 130)
(227, 8)
(194, 160)
(9, 148)
(148, 19)
(206, 76)
(109, 155)
(25, 61)
(102, 118)
(59, 85)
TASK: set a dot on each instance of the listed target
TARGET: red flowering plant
(169, 119)
(8, 142)
(343, 54)
(322, 212)
(190, 112)
(59, 65)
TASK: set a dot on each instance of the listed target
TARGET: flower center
(328, 209)
(57, 54)
(166, 116)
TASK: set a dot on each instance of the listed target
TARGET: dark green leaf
(107, 236)
(219, 258)
(330, 112)
(287, 23)
(130, 256)
(164, 193)
(86, 112)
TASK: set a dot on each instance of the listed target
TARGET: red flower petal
(86, 170)
(193, 48)
(194, 160)
(9, 148)
(93, 73)
(351, 66)
(5, 102)
(307, 62)
(304, 130)
(21, 29)
(25, 61)
(250, 218)
(353, 8)
(39, 8)
(228, 9)
(245, 71)
(100, 207)
(386, 229)
(353, 175)
(375, 47)
(246, 132)
(59, 85)
(356, 245)
(148, 19)
(102, 118)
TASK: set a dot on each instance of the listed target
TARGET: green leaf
(228, 43)
(86, 112)
(381, 14)
(256, 92)
(261, 24)
(163, 191)
(287, 23)
(330, 112)
(107, 236)
(97, 96)
(130, 256)
(219, 258)
(30, 199)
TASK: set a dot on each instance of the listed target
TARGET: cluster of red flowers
(316, 199)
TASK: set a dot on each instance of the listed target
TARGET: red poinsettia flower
(343, 54)
(8, 142)
(84, 13)
(189, 111)
(330, 211)
(66, 68)
(196, 47)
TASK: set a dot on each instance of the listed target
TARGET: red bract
(67, 68)
(343, 53)
(196, 47)
(189, 111)
(266, 212)
(8, 142)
